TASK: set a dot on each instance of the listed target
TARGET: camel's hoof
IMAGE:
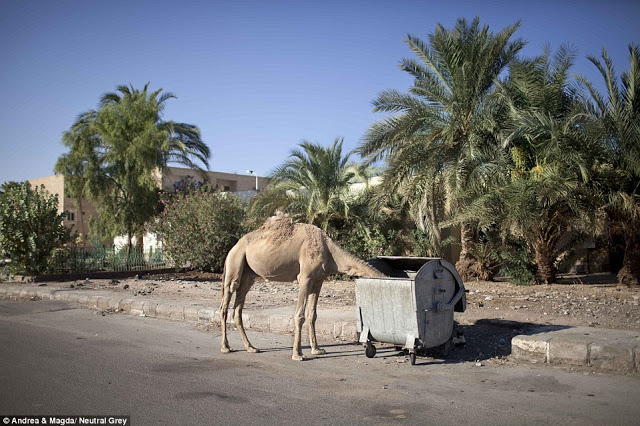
(225, 350)
(297, 357)
(253, 350)
(318, 352)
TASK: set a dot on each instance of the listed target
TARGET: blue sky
(257, 77)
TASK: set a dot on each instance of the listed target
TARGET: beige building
(228, 182)
(77, 216)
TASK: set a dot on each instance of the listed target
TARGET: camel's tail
(224, 279)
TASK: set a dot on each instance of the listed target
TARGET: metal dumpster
(412, 308)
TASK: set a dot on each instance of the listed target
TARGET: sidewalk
(603, 349)
(595, 348)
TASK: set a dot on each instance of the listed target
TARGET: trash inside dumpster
(413, 307)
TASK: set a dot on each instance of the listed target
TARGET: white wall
(150, 241)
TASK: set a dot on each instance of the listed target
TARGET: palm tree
(313, 185)
(541, 208)
(439, 132)
(617, 119)
(116, 151)
(421, 191)
(159, 142)
(552, 158)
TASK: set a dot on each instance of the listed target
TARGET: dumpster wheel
(416, 352)
(369, 350)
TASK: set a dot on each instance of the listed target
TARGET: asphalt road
(56, 359)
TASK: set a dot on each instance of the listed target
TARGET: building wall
(150, 241)
(54, 185)
(232, 182)
(77, 217)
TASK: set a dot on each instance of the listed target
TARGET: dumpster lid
(407, 262)
(392, 265)
(433, 269)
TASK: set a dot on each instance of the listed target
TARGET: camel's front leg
(241, 294)
(311, 319)
(303, 293)
(224, 310)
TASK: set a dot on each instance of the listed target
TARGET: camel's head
(364, 270)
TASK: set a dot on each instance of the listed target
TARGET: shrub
(30, 227)
(519, 264)
(486, 260)
(199, 227)
(363, 243)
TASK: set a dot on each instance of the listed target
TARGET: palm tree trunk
(545, 258)
(140, 240)
(467, 239)
(436, 229)
(437, 240)
(466, 264)
(129, 250)
(630, 272)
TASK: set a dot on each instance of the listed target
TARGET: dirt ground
(496, 311)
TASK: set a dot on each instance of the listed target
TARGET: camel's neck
(351, 265)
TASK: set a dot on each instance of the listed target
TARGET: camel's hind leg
(312, 316)
(231, 278)
(246, 282)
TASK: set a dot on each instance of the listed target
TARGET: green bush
(199, 227)
(30, 227)
(363, 243)
(487, 260)
(518, 264)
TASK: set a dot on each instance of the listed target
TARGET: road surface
(56, 359)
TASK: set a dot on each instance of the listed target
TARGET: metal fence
(80, 259)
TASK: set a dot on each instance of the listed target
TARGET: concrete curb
(83, 275)
(333, 323)
(601, 349)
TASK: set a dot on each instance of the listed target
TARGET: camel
(281, 250)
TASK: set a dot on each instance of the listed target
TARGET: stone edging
(601, 349)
